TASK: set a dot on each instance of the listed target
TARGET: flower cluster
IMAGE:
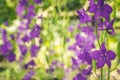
(26, 38)
(90, 29)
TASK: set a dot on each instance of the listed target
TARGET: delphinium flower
(27, 34)
(82, 47)
(79, 77)
(34, 49)
(84, 17)
(103, 56)
(84, 44)
(28, 76)
(101, 9)
(35, 31)
(109, 27)
(7, 49)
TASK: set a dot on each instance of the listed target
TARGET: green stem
(101, 78)
(96, 31)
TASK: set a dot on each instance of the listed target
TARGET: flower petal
(108, 63)
(95, 55)
(100, 64)
(107, 9)
(93, 8)
(103, 48)
(111, 55)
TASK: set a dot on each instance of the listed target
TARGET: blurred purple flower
(87, 29)
(11, 57)
(67, 40)
(19, 9)
(6, 48)
(4, 35)
(79, 76)
(23, 2)
(31, 12)
(80, 40)
(23, 49)
(26, 38)
(74, 61)
(37, 1)
(87, 71)
(83, 16)
(102, 56)
(35, 31)
(72, 47)
(34, 49)
(101, 9)
(30, 64)
(85, 57)
(6, 23)
(92, 2)
(28, 76)
(71, 28)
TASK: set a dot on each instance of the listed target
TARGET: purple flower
(4, 35)
(92, 2)
(31, 12)
(72, 47)
(30, 64)
(74, 61)
(23, 49)
(71, 29)
(11, 57)
(35, 31)
(83, 16)
(79, 76)
(34, 49)
(23, 2)
(80, 40)
(85, 57)
(19, 9)
(109, 27)
(6, 48)
(29, 75)
(100, 9)
(6, 23)
(103, 56)
(87, 71)
(87, 29)
(85, 42)
(37, 1)
(26, 38)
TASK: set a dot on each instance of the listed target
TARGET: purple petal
(100, 64)
(93, 8)
(101, 3)
(110, 28)
(95, 55)
(108, 63)
(108, 9)
(103, 48)
(111, 55)
(92, 2)
(11, 57)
